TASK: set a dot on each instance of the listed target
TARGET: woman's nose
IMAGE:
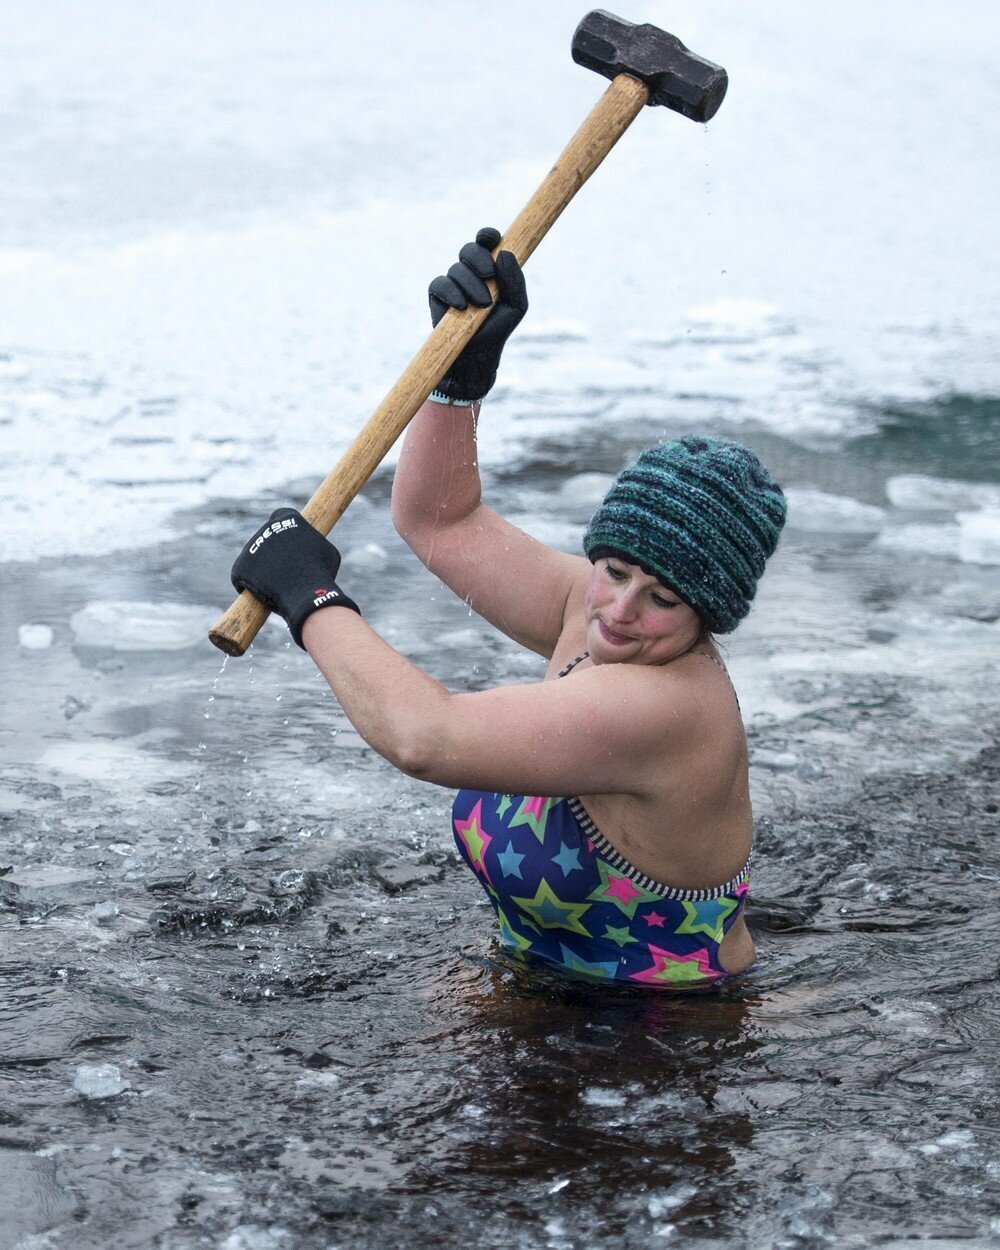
(624, 608)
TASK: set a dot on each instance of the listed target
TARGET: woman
(605, 810)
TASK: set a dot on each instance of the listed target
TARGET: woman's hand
(291, 568)
(474, 372)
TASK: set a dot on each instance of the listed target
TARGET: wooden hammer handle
(607, 122)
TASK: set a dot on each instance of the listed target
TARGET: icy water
(248, 997)
(322, 1048)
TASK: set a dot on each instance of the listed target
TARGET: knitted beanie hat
(702, 515)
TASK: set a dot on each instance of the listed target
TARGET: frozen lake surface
(225, 1020)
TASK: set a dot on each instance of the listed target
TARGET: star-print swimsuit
(566, 898)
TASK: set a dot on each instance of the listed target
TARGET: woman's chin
(606, 647)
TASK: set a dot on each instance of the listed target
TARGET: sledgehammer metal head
(675, 77)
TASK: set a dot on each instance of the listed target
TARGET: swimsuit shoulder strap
(708, 656)
(573, 663)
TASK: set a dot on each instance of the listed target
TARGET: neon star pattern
(604, 970)
(509, 935)
(671, 969)
(568, 860)
(473, 838)
(534, 812)
(550, 912)
(707, 917)
(566, 899)
(621, 936)
(510, 861)
(618, 888)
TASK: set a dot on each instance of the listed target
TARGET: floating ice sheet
(815, 511)
(917, 491)
(368, 556)
(558, 534)
(125, 626)
(979, 536)
(124, 766)
(937, 541)
(177, 332)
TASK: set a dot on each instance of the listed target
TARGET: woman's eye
(663, 603)
(615, 574)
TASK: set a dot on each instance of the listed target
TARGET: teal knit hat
(702, 515)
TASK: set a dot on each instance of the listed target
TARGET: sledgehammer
(646, 66)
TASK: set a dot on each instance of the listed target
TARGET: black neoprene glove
(475, 370)
(291, 567)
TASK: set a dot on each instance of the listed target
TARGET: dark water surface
(299, 985)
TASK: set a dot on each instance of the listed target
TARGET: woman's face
(632, 618)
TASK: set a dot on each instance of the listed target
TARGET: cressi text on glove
(292, 569)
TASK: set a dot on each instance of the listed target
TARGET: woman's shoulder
(699, 683)
(674, 701)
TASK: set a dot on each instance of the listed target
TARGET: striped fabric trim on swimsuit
(654, 887)
(623, 865)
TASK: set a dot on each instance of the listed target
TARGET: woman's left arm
(601, 731)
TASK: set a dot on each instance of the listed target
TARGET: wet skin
(675, 803)
(631, 618)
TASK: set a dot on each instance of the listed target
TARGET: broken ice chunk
(99, 1080)
(34, 637)
(979, 536)
(49, 885)
(104, 912)
(776, 761)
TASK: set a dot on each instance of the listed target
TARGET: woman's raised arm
(512, 580)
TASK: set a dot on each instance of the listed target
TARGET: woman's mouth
(609, 635)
